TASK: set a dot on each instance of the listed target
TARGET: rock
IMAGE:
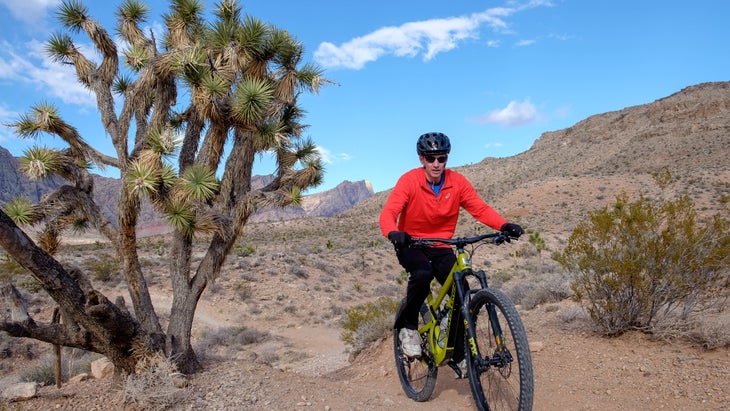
(102, 368)
(179, 380)
(78, 378)
(21, 391)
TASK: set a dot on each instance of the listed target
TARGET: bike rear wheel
(507, 383)
(417, 375)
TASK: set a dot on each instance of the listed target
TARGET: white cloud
(428, 38)
(29, 11)
(523, 43)
(57, 80)
(329, 157)
(515, 114)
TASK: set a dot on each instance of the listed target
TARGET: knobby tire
(508, 386)
(417, 375)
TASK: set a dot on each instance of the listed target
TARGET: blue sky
(492, 75)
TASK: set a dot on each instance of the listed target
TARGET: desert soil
(575, 369)
(304, 365)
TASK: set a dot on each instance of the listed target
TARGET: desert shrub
(29, 283)
(528, 295)
(326, 267)
(242, 289)
(235, 336)
(73, 362)
(268, 356)
(104, 269)
(243, 251)
(636, 264)
(556, 286)
(229, 337)
(155, 385)
(9, 267)
(402, 277)
(497, 278)
(387, 289)
(708, 330)
(366, 323)
(14, 347)
(43, 373)
(711, 331)
(570, 313)
(536, 296)
(539, 243)
(299, 272)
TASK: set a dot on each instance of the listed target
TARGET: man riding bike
(425, 202)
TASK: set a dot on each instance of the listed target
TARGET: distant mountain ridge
(328, 203)
(569, 172)
(554, 184)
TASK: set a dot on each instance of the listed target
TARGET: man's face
(434, 165)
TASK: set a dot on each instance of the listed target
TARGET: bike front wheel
(502, 379)
(417, 375)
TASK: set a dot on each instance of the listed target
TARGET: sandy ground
(575, 369)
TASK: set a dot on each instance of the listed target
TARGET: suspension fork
(492, 311)
(468, 320)
(482, 363)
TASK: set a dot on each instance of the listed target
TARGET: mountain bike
(482, 319)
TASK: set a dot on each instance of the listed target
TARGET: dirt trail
(574, 370)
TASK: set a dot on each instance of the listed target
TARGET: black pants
(423, 265)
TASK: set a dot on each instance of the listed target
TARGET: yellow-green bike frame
(441, 306)
(498, 364)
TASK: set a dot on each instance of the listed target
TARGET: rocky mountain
(325, 204)
(554, 184)
(14, 183)
(569, 172)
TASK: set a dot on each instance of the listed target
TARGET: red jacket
(414, 208)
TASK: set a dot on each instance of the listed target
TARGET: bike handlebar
(497, 238)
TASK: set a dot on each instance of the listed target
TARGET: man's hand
(399, 239)
(512, 230)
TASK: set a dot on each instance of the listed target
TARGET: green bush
(243, 251)
(104, 269)
(9, 267)
(73, 363)
(366, 323)
(29, 283)
(637, 264)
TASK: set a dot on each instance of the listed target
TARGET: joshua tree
(240, 79)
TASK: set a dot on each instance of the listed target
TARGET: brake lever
(502, 238)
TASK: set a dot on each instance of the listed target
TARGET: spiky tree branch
(241, 79)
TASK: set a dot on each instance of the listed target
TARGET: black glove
(512, 230)
(399, 239)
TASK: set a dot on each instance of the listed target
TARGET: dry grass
(156, 386)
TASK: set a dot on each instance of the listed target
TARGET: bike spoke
(505, 383)
(417, 375)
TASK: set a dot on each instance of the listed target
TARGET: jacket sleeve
(394, 205)
(474, 205)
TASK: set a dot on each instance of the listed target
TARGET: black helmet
(433, 143)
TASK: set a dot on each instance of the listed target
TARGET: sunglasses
(440, 159)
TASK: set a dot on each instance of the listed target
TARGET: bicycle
(498, 363)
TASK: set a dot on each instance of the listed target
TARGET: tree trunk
(105, 328)
(136, 284)
(184, 303)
